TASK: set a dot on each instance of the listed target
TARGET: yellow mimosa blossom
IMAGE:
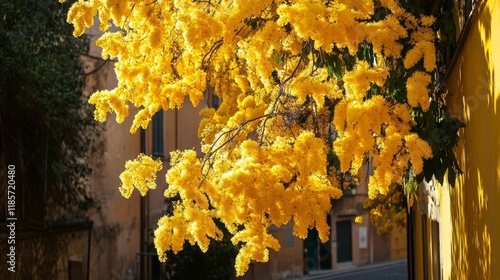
(140, 174)
(423, 50)
(428, 20)
(359, 80)
(107, 101)
(358, 219)
(309, 89)
(418, 149)
(418, 92)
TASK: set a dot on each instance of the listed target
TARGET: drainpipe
(176, 144)
(90, 225)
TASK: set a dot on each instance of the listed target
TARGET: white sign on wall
(362, 238)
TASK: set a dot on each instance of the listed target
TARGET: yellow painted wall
(418, 247)
(470, 213)
(398, 243)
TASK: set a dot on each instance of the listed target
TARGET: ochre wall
(116, 231)
(398, 243)
(470, 220)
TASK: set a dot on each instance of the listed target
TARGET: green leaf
(428, 170)
(451, 177)
(277, 59)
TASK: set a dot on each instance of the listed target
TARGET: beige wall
(287, 262)
(116, 233)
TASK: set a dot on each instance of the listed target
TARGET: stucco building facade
(456, 230)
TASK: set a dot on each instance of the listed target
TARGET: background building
(122, 234)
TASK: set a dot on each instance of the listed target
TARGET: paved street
(391, 272)
(395, 270)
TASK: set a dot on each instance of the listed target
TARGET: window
(215, 101)
(158, 134)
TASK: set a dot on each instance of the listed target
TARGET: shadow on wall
(472, 85)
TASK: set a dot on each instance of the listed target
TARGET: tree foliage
(192, 264)
(311, 90)
(46, 124)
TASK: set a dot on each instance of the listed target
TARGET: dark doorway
(344, 241)
(311, 251)
(317, 255)
(325, 252)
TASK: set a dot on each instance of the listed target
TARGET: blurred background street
(393, 270)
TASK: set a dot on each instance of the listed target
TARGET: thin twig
(96, 69)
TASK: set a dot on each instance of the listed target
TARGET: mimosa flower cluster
(298, 80)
